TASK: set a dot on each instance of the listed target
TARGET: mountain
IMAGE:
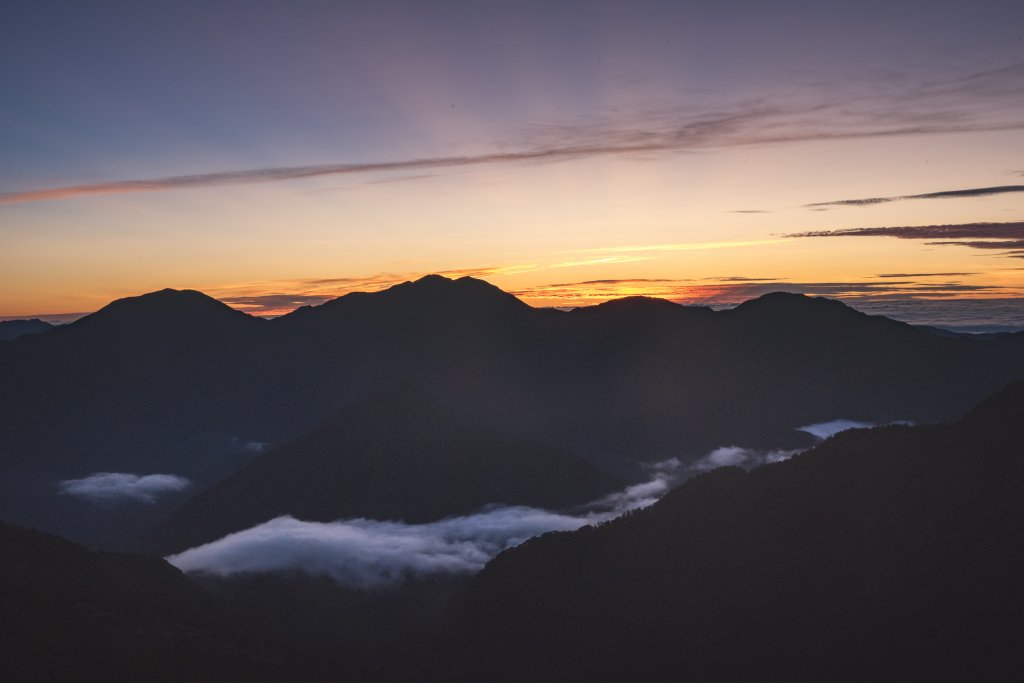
(889, 553)
(406, 453)
(174, 382)
(73, 614)
(128, 385)
(12, 329)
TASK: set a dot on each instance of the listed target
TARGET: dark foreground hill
(894, 553)
(70, 614)
(404, 454)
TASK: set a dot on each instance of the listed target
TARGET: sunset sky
(276, 154)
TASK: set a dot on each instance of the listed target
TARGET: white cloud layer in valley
(372, 554)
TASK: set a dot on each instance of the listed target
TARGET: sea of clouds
(372, 554)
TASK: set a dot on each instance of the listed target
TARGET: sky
(274, 154)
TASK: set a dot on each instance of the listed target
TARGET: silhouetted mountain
(12, 329)
(129, 383)
(404, 454)
(432, 300)
(893, 553)
(175, 382)
(73, 614)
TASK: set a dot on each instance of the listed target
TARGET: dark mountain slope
(72, 614)
(134, 385)
(889, 553)
(12, 329)
(345, 350)
(407, 453)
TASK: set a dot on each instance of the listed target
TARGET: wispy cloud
(680, 246)
(913, 275)
(741, 278)
(981, 101)
(737, 456)
(1004, 236)
(112, 487)
(946, 194)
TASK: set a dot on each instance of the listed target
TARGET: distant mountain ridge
(12, 329)
(176, 382)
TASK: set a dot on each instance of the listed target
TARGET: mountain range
(174, 382)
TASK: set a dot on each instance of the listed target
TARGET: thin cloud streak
(947, 194)
(682, 246)
(674, 141)
(1009, 230)
(1003, 236)
(911, 275)
(937, 108)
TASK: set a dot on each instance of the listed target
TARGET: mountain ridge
(639, 380)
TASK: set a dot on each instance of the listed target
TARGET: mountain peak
(790, 303)
(635, 303)
(433, 278)
(438, 292)
(430, 295)
(165, 306)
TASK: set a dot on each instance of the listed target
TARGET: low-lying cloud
(748, 458)
(823, 430)
(369, 554)
(664, 475)
(737, 456)
(113, 487)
